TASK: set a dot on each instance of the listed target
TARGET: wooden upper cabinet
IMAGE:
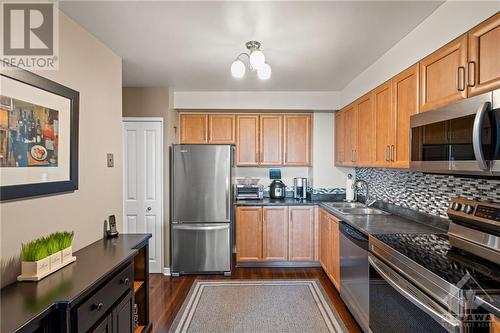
(382, 100)
(443, 75)
(271, 140)
(364, 147)
(275, 234)
(193, 128)
(222, 128)
(484, 57)
(350, 139)
(298, 135)
(301, 233)
(247, 140)
(405, 92)
(249, 234)
(339, 138)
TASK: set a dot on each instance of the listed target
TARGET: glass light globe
(257, 59)
(238, 69)
(264, 72)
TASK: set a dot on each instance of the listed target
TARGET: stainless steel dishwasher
(354, 273)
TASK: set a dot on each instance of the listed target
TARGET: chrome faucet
(368, 200)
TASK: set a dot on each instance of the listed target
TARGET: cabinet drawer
(90, 311)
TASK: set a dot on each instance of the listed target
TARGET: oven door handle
(454, 324)
(477, 143)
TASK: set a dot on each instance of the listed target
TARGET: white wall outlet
(111, 161)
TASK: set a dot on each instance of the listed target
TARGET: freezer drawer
(201, 248)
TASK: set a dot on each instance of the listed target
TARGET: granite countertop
(400, 221)
(384, 224)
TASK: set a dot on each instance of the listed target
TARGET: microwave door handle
(477, 143)
(452, 322)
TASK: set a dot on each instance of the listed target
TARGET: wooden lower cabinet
(329, 246)
(249, 234)
(301, 233)
(275, 234)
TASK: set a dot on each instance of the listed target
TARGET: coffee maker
(300, 188)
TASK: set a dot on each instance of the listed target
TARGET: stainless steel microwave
(461, 138)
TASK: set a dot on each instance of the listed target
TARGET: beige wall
(324, 173)
(156, 102)
(91, 68)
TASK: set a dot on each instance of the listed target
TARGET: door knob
(148, 209)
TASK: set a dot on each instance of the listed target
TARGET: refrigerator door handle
(198, 227)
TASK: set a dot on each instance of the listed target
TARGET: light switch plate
(111, 161)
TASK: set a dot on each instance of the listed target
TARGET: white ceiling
(311, 46)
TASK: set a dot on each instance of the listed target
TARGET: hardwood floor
(167, 294)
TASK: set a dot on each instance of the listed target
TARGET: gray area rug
(257, 306)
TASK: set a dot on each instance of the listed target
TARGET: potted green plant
(35, 260)
(46, 255)
(55, 251)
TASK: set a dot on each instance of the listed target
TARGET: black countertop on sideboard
(21, 302)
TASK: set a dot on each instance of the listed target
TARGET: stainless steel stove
(436, 282)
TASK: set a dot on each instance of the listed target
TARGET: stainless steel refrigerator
(201, 209)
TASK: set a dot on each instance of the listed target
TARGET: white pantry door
(143, 184)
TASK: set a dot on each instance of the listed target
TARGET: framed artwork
(38, 136)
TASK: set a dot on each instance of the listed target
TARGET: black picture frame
(11, 192)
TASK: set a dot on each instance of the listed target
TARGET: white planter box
(32, 269)
(55, 261)
(67, 255)
(37, 270)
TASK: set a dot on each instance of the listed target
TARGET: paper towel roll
(349, 190)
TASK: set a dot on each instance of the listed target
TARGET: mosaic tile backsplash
(427, 193)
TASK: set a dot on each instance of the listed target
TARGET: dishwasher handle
(355, 236)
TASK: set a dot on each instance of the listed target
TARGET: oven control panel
(474, 211)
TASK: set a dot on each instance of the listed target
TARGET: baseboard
(166, 271)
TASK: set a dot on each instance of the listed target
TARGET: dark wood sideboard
(97, 293)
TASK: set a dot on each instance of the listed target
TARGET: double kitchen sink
(354, 208)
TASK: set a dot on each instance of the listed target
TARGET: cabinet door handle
(392, 153)
(387, 153)
(355, 155)
(257, 157)
(461, 78)
(471, 73)
(125, 281)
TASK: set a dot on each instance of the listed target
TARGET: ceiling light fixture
(256, 62)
